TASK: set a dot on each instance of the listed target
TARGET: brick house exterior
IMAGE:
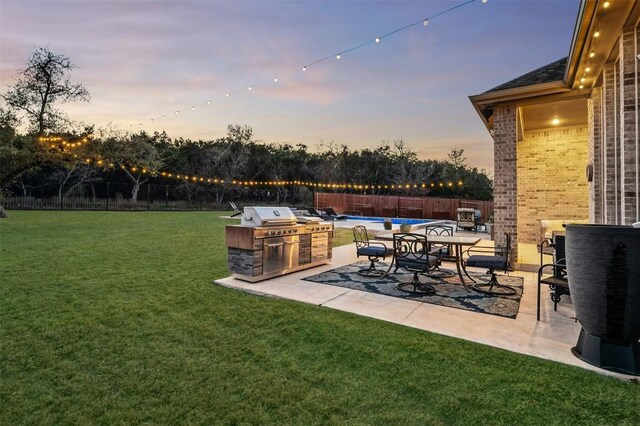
(566, 136)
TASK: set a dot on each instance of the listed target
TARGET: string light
(605, 5)
(204, 179)
(425, 22)
(359, 46)
(596, 34)
(592, 54)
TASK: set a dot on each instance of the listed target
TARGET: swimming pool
(394, 220)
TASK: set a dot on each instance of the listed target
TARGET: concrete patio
(551, 338)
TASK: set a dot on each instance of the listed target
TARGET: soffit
(584, 68)
(568, 113)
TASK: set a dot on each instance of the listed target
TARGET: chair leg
(415, 286)
(500, 289)
(538, 300)
(436, 272)
(371, 271)
(555, 297)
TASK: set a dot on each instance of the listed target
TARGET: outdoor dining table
(457, 243)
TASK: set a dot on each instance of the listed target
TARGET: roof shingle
(546, 74)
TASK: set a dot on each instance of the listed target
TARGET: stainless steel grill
(270, 243)
(267, 216)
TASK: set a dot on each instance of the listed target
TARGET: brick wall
(594, 118)
(609, 161)
(551, 178)
(505, 174)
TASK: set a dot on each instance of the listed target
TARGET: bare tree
(44, 82)
(70, 176)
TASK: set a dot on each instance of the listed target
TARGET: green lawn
(112, 318)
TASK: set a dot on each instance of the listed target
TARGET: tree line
(29, 158)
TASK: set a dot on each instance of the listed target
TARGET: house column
(628, 127)
(505, 175)
(594, 119)
(609, 144)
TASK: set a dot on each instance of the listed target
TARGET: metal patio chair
(498, 260)
(411, 252)
(373, 250)
(445, 251)
(557, 281)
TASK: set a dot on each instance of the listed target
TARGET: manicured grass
(112, 318)
(342, 236)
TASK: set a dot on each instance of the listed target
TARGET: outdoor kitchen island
(270, 242)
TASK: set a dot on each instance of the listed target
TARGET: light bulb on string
(484, 1)
(193, 108)
(249, 88)
(592, 54)
(377, 40)
(177, 112)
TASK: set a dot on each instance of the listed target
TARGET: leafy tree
(17, 154)
(137, 157)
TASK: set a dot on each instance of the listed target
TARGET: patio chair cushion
(372, 251)
(490, 262)
(410, 261)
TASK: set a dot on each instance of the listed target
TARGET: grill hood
(267, 216)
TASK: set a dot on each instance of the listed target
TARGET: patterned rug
(449, 291)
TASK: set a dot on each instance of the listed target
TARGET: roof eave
(487, 99)
(518, 93)
(584, 22)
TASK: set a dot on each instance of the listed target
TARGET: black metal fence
(156, 197)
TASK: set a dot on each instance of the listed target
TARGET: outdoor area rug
(449, 291)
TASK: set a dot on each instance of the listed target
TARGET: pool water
(394, 220)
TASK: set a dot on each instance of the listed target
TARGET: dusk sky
(145, 59)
